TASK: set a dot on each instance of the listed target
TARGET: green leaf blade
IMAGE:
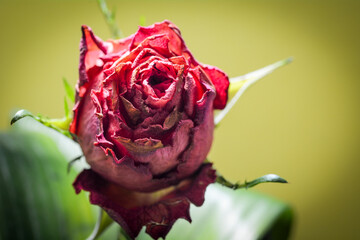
(37, 200)
(70, 91)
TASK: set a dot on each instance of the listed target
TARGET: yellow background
(301, 122)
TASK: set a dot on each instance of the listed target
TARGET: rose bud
(144, 120)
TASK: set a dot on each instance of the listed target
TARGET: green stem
(110, 19)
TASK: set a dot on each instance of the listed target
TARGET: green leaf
(37, 200)
(239, 85)
(123, 235)
(70, 91)
(264, 179)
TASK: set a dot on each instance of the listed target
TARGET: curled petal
(133, 113)
(91, 48)
(157, 211)
(221, 83)
(163, 28)
(120, 46)
(140, 146)
(201, 135)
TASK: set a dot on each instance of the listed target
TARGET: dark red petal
(157, 211)
(119, 46)
(202, 135)
(221, 83)
(170, 30)
(176, 44)
(91, 48)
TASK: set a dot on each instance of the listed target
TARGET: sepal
(264, 179)
(60, 125)
(238, 85)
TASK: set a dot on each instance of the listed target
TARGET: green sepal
(60, 125)
(238, 85)
(264, 179)
(70, 91)
(142, 21)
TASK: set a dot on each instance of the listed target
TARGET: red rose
(144, 120)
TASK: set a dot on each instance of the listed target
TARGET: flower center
(159, 84)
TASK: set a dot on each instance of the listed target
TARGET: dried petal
(158, 211)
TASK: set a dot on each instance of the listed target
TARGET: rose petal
(157, 211)
(119, 46)
(133, 113)
(173, 118)
(201, 134)
(167, 28)
(139, 146)
(91, 48)
(221, 83)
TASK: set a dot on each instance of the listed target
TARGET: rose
(145, 99)
(144, 120)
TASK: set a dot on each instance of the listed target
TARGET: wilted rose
(144, 120)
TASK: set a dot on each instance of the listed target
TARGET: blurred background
(301, 122)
